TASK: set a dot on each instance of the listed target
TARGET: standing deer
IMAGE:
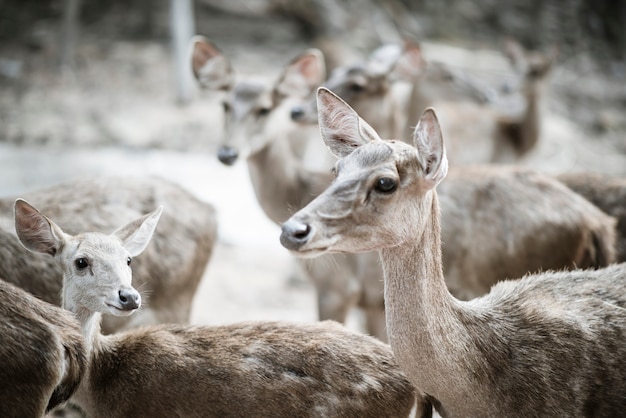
(42, 353)
(552, 344)
(265, 369)
(172, 266)
(494, 207)
(258, 129)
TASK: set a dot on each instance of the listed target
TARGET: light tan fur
(552, 344)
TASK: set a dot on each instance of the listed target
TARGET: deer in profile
(552, 344)
(42, 353)
(172, 266)
(258, 130)
(267, 369)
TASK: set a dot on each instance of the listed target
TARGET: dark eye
(128, 260)
(356, 88)
(385, 185)
(81, 263)
(264, 111)
(226, 107)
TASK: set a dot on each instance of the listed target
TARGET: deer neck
(281, 184)
(423, 319)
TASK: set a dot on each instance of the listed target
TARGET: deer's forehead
(249, 91)
(96, 246)
(376, 155)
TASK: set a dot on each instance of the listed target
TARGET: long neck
(281, 184)
(423, 319)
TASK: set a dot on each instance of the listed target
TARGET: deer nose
(129, 299)
(294, 234)
(227, 155)
(297, 113)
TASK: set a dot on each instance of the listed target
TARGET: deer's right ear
(36, 232)
(428, 140)
(411, 63)
(341, 127)
(210, 67)
(302, 75)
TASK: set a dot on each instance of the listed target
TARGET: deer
(504, 127)
(258, 130)
(493, 206)
(551, 344)
(42, 353)
(607, 192)
(264, 368)
(172, 267)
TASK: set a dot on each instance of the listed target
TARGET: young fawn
(167, 278)
(42, 353)
(551, 344)
(265, 369)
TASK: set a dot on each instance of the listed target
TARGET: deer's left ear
(428, 140)
(302, 75)
(136, 235)
(341, 127)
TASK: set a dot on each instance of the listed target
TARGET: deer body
(268, 369)
(550, 344)
(42, 353)
(172, 267)
(606, 192)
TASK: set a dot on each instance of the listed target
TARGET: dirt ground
(116, 112)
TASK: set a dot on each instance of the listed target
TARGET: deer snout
(297, 113)
(129, 299)
(227, 155)
(294, 234)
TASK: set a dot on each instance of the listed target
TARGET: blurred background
(97, 88)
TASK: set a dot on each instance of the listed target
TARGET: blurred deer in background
(268, 369)
(482, 127)
(169, 273)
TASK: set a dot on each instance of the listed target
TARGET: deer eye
(356, 88)
(264, 111)
(128, 260)
(226, 107)
(385, 185)
(81, 263)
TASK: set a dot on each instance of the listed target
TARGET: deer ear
(36, 232)
(302, 75)
(382, 60)
(428, 140)
(210, 67)
(136, 235)
(411, 63)
(341, 127)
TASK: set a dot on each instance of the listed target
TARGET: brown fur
(546, 345)
(170, 270)
(606, 192)
(42, 353)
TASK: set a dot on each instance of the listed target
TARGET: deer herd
(488, 289)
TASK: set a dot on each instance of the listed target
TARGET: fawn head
(96, 267)
(378, 187)
(251, 107)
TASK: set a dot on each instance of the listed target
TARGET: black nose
(294, 234)
(297, 113)
(129, 299)
(227, 155)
